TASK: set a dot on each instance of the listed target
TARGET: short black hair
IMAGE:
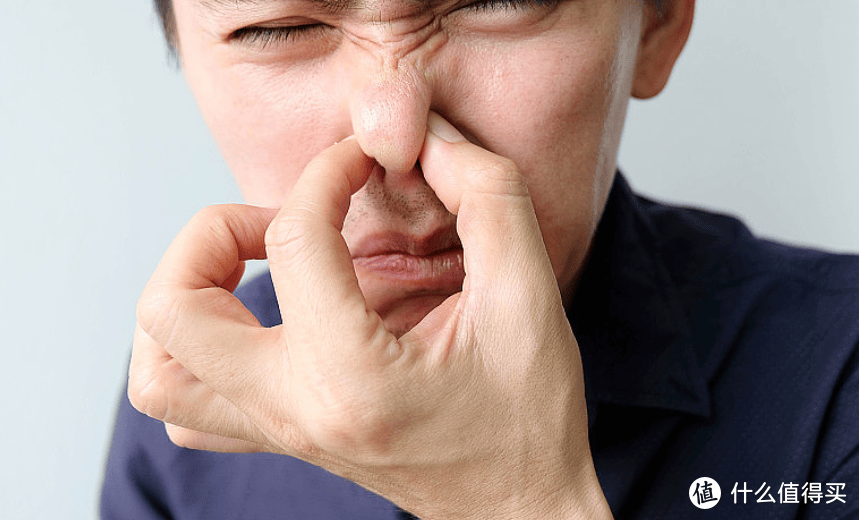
(164, 8)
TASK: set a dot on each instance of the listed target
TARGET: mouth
(428, 264)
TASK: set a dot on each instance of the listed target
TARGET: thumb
(503, 247)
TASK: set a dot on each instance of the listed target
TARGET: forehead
(226, 6)
(220, 14)
(230, 5)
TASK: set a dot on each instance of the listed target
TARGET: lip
(433, 262)
(398, 243)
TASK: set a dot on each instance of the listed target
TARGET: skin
(379, 83)
(404, 363)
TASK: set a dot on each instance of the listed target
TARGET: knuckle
(158, 310)
(146, 394)
(500, 176)
(216, 215)
(363, 427)
(285, 230)
(290, 236)
(215, 225)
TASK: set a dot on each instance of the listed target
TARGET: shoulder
(747, 295)
(715, 258)
(776, 332)
(705, 247)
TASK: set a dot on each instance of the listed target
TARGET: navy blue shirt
(707, 352)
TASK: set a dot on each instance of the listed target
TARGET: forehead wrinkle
(227, 6)
(224, 7)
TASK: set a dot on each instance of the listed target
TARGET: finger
(192, 329)
(209, 250)
(186, 438)
(235, 278)
(323, 310)
(159, 386)
(187, 308)
(213, 337)
(502, 244)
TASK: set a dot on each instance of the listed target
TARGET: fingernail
(438, 126)
(351, 137)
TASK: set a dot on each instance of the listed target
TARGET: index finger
(210, 248)
(323, 309)
(186, 307)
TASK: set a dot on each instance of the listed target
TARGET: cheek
(547, 105)
(267, 124)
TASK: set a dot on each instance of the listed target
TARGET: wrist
(577, 498)
(585, 501)
(576, 495)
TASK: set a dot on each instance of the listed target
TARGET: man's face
(542, 82)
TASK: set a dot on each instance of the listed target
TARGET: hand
(477, 412)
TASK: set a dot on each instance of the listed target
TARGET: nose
(389, 104)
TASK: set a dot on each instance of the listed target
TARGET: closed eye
(264, 36)
(509, 5)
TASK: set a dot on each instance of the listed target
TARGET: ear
(664, 33)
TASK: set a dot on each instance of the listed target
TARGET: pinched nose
(389, 115)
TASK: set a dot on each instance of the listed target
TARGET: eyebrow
(225, 6)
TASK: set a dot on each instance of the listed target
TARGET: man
(479, 319)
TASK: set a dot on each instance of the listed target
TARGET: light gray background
(103, 157)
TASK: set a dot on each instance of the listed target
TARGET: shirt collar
(634, 336)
